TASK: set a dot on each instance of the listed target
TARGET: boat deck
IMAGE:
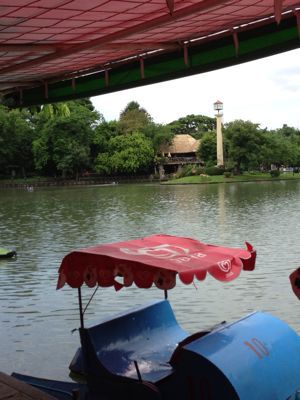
(13, 389)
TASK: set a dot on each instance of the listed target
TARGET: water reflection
(36, 321)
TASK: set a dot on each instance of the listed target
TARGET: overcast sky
(265, 91)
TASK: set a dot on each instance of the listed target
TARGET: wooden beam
(13, 389)
(16, 84)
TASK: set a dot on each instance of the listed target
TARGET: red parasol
(154, 259)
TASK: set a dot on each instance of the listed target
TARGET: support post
(80, 308)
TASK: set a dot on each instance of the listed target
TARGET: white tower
(218, 107)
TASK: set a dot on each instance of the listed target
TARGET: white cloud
(265, 91)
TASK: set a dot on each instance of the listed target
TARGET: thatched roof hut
(182, 145)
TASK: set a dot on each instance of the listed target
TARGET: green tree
(295, 142)
(64, 146)
(85, 110)
(52, 110)
(207, 151)
(245, 144)
(16, 136)
(39, 115)
(194, 125)
(158, 134)
(134, 118)
(279, 149)
(288, 131)
(127, 154)
(134, 106)
(84, 102)
(103, 133)
(65, 141)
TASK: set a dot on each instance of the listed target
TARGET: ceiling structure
(54, 50)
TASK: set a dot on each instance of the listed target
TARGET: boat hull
(144, 354)
(59, 389)
(7, 253)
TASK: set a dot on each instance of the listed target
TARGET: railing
(185, 160)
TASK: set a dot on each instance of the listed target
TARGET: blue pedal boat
(144, 353)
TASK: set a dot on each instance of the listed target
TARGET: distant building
(180, 152)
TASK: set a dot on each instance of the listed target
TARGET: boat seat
(137, 344)
(189, 339)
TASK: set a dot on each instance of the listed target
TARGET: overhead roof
(53, 50)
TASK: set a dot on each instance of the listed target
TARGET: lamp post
(218, 107)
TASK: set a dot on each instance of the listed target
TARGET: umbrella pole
(80, 308)
(166, 294)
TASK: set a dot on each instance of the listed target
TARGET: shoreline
(200, 180)
(35, 183)
(190, 180)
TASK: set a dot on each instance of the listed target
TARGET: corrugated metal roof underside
(53, 50)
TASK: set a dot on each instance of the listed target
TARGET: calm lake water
(36, 320)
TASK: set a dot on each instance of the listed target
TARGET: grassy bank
(246, 177)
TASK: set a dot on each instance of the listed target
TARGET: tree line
(72, 139)
(249, 147)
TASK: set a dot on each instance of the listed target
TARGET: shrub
(227, 174)
(275, 173)
(214, 171)
(188, 170)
